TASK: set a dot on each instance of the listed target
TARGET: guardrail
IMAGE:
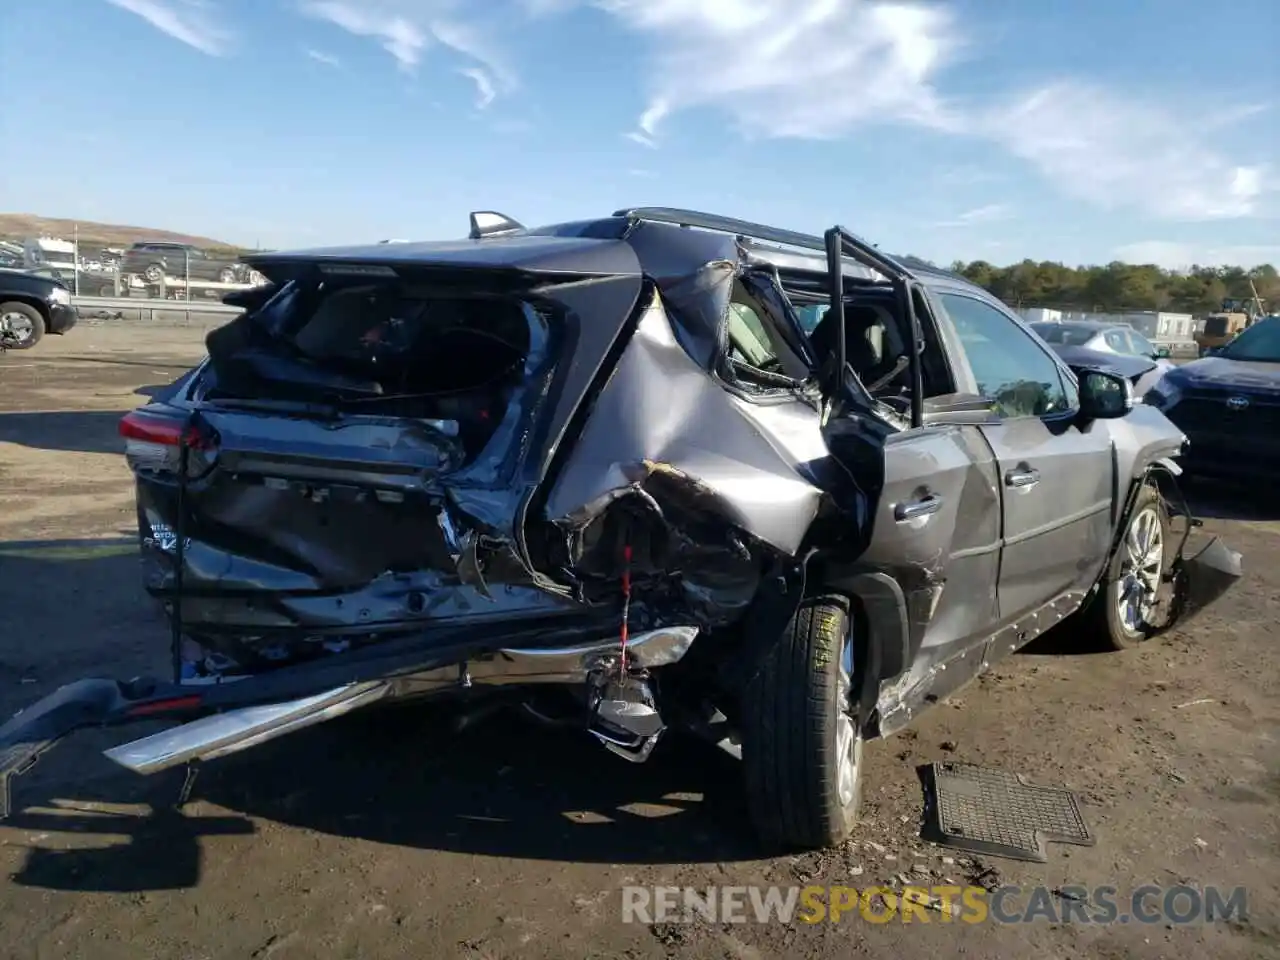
(148, 307)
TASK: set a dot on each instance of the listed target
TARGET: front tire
(801, 738)
(1121, 613)
(21, 325)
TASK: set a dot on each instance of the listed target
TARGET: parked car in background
(1069, 337)
(1228, 405)
(30, 307)
(1104, 337)
(604, 472)
(1141, 372)
(155, 260)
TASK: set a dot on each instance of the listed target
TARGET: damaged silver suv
(660, 470)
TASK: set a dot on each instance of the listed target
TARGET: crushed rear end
(400, 475)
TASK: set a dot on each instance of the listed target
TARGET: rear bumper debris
(229, 717)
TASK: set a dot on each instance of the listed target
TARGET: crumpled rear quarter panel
(659, 408)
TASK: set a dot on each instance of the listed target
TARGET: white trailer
(51, 252)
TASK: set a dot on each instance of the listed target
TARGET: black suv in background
(30, 307)
(154, 260)
(1228, 405)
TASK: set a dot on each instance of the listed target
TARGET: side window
(1142, 346)
(758, 353)
(1118, 342)
(1011, 368)
(748, 342)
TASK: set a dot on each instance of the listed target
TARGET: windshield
(1064, 334)
(1261, 342)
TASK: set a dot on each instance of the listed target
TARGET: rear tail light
(153, 443)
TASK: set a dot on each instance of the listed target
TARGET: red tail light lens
(146, 428)
(153, 443)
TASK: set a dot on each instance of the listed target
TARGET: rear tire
(26, 323)
(1119, 614)
(801, 742)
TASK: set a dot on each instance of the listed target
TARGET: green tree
(1118, 287)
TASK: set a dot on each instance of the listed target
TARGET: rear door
(935, 532)
(1056, 478)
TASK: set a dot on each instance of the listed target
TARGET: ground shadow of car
(82, 611)
(83, 431)
(400, 776)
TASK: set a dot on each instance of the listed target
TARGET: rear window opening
(385, 348)
(1063, 334)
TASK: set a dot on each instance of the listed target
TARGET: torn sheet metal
(743, 455)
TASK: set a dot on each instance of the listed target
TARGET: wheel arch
(1161, 473)
(880, 624)
(30, 300)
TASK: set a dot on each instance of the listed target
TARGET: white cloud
(635, 136)
(407, 28)
(485, 92)
(319, 56)
(991, 213)
(193, 22)
(821, 69)
(400, 37)
(1116, 153)
(792, 68)
(1179, 256)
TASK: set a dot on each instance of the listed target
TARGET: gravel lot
(387, 835)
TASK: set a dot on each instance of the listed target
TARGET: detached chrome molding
(236, 730)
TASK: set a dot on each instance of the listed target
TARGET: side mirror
(1104, 396)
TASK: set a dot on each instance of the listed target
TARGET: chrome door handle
(1022, 477)
(925, 506)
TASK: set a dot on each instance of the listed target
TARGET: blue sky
(1080, 130)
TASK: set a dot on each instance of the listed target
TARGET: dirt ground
(389, 835)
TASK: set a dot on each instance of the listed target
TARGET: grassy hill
(21, 226)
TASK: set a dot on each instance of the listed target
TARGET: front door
(1056, 478)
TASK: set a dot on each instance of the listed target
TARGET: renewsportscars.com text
(1009, 904)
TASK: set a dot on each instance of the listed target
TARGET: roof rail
(711, 221)
(860, 250)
